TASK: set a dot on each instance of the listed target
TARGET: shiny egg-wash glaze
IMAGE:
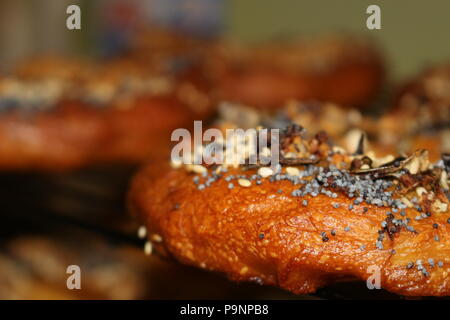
(278, 231)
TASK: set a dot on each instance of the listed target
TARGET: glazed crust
(56, 140)
(221, 229)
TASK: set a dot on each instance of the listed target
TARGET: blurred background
(413, 33)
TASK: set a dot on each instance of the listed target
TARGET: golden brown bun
(267, 234)
(75, 134)
(420, 114)
(424, 102)
(118, 111)
(57, 140)
(338, 69)
(35, 268)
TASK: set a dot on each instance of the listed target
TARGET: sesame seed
(436, 238)
(157, 238)
(148, 248)
(230, 186)
(142, 232)
(244, 182)
(265, 172)
(305, 202)
(261, 235)
(346, 229)
(420, 191)
(197, 168)
(292, 171)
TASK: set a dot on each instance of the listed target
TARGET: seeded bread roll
(343, 70)
(423, 105)
(35, 268)
(306, 224)
(429, 90)
(123, 112)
